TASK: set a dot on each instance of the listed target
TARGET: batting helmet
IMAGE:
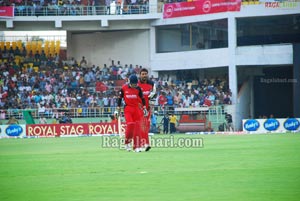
(133, 79)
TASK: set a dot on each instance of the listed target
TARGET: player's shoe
(127, 147)
(147, 148)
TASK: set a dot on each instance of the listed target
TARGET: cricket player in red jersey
(149, 90)
(132, 95)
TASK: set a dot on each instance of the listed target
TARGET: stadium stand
(49, 85)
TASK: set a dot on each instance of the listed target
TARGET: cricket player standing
(132, 94)
(149, 90)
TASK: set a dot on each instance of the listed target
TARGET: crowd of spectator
(193, 93)
(77, 7)
(48, 84)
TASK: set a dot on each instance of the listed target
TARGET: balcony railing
(90, 112)
(78, 10)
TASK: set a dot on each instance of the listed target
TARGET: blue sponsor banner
(251, 125)
(279, 125)
(291, 124)
(271, 124)
(13, 130)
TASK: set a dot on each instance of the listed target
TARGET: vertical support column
(9, 23)
(152, 6)
(58, 24)
(296, 79)
(252, 97)
(232, 71)
(152, 46)
(69, 44)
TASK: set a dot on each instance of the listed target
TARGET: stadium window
(268, 30)
(192, 36)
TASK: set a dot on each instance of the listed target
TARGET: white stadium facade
(257, 48)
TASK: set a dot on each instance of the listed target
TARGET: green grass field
(231, 167)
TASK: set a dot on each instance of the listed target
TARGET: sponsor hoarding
(200, 7)
(56, 130)
(271, 125)
(12, 130)
(7, 11)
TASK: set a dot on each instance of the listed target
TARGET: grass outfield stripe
(232, 167)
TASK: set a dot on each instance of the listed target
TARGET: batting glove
(145, 112)
(151, 95)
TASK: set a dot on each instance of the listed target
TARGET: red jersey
(114, 121)
(146, 87)
(131, 96)
(162, 100)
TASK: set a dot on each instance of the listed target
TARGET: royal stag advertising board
(57, 130)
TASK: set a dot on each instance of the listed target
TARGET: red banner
(6, 11)
(100, 87)
(56, 130)
(200, 7)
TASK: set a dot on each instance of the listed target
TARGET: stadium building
(256, 45)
